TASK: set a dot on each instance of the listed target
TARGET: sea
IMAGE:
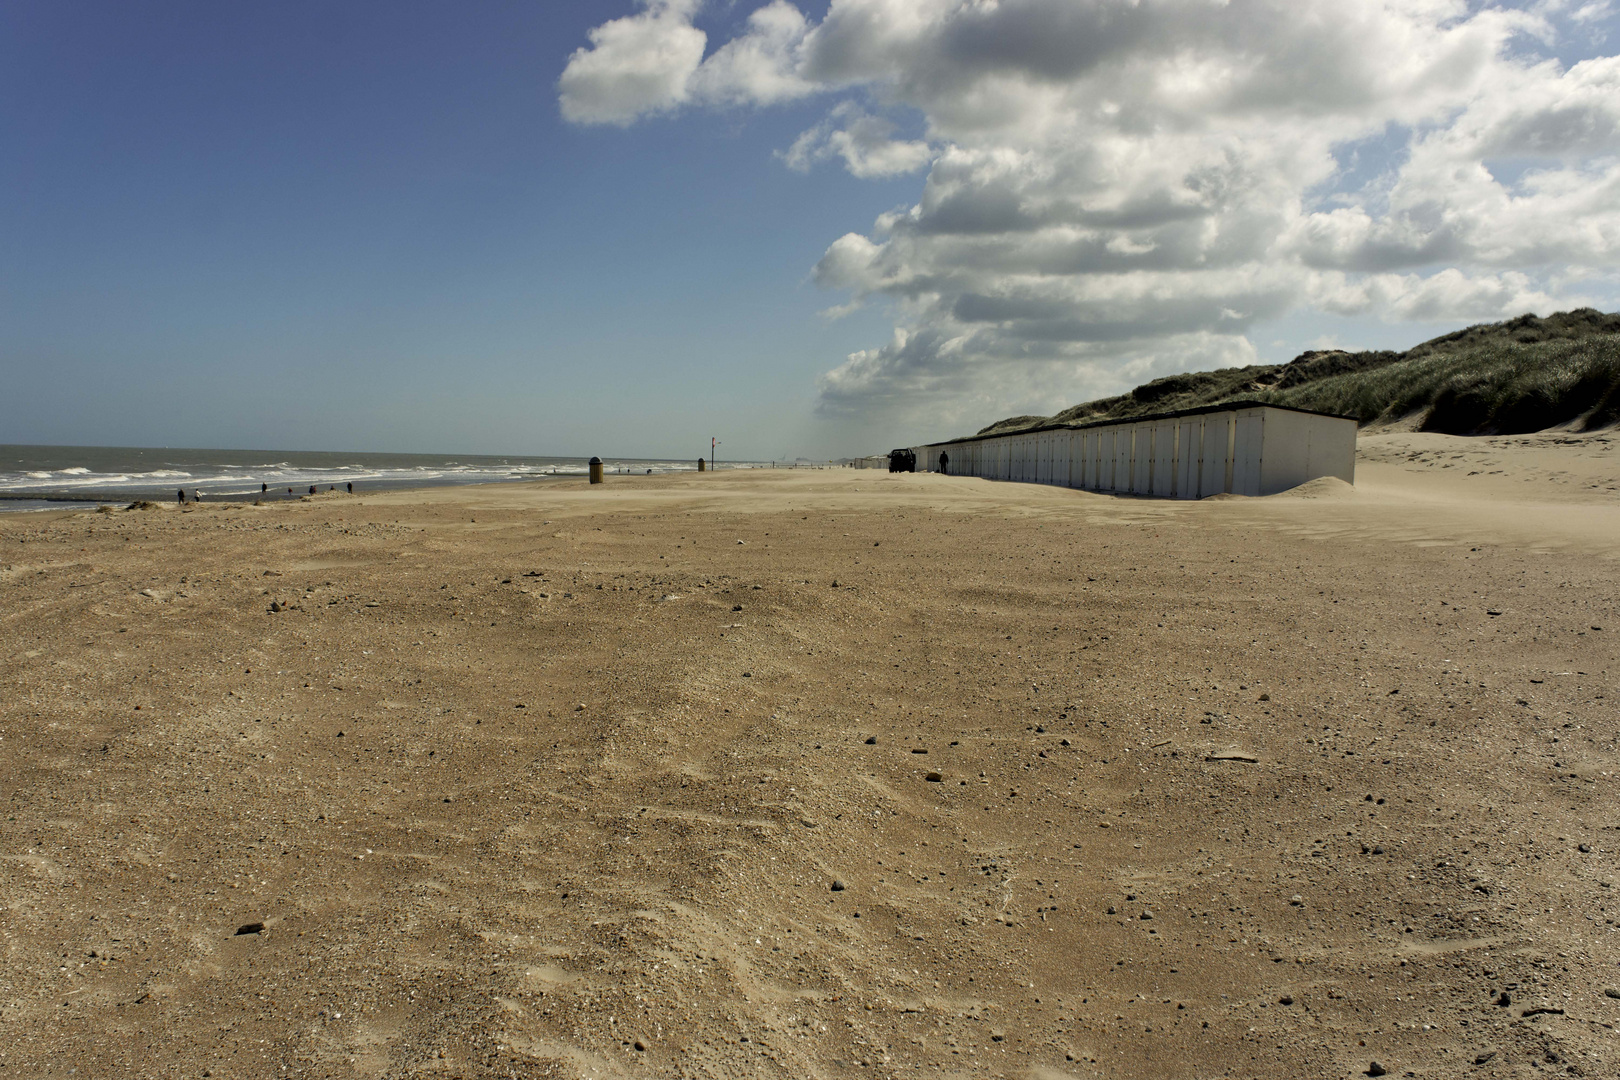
(60, 477)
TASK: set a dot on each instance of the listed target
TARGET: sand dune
(821, 774)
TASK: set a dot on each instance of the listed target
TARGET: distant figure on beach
(944, 462)
(312, 489)
(351, 487)
(289, 491)
(180, 496)
(196, 496)
(264, 488)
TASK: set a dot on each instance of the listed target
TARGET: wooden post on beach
(596, 470)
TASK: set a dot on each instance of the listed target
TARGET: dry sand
(635, 781)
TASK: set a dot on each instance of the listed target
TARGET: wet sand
(822, 774)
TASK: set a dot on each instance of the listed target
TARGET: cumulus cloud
(926, 378)
(758, 67)
(653, 61)
(635, 65)
(866, 144)
(1116, 187)
(1449, 295)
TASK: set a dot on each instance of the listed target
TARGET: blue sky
(369, 226)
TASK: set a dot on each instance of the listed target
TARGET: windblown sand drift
(636, 781)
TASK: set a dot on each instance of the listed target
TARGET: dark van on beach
(902, 460)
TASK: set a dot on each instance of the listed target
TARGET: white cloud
(1582, 14)
(653, 62)
(905, 383)
(864, 142)
(757, 68)
(1118, 186)
(636, 65)
(1446, 296)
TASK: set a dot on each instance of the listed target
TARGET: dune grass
(1525, 374)
(1499, 388)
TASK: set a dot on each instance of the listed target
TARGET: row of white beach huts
(1242, 449)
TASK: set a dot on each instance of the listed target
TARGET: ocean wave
(224, 479)
(52, 482)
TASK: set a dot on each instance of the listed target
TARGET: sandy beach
(822, 774)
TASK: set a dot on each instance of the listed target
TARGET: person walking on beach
(351, 487)
(264, 489)
(944, 463)
(180, 496)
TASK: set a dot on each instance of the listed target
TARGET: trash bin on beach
(596, 470)
(701, 465)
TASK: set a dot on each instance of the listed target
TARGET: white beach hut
(1245, 448)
